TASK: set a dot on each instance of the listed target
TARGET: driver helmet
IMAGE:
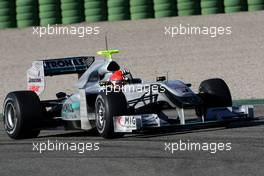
(118, 78)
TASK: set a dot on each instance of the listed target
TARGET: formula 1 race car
(110, 100)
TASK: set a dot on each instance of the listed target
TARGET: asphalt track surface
(141, 154)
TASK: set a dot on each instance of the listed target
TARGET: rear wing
(39, 69)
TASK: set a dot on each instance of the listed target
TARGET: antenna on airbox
(106, 43)
(108, 52)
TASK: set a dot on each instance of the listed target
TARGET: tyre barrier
(24, 13)
(141, 9)
(7, 14)
(211, 7)
(72, 11)
(118, 10)
(49, 12)
(188, 7)
(95, 10)
(255, 5)
(232, 6)
(164, 8)
(27, 13)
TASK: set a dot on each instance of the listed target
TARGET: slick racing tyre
(214, 93)
(108, 105)
(22, 114)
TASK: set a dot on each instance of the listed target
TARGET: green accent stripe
(75, 105)
(248, 102)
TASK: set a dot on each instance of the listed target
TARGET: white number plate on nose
(125, 124)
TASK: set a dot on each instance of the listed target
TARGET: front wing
(134, 123)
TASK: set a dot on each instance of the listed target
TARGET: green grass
(248, 102)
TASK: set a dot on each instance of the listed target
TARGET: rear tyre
(108, 105)
(214, 93)
(22, 114)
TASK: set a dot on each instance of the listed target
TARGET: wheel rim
(100, 116)
(10, 118)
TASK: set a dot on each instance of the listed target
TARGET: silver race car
(110, 100)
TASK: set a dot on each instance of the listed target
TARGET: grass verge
(248, 102)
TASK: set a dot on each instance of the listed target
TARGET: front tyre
(22, 114)
(108, 105)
